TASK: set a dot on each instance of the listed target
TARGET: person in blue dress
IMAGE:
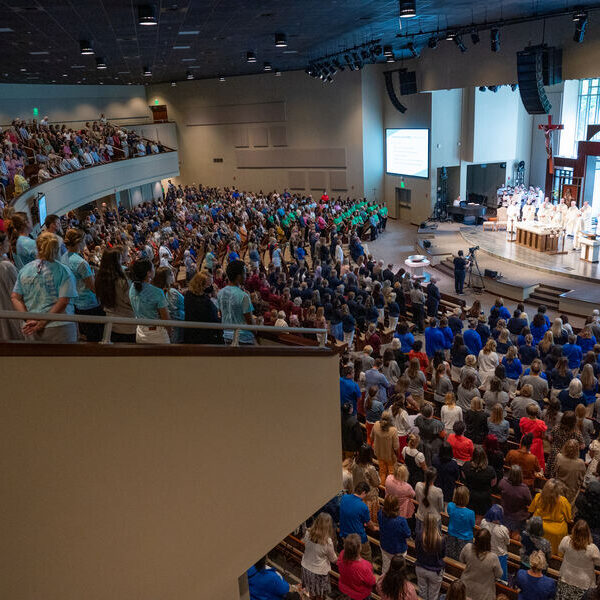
(164, 280)
(23, 248)
(44, 285)
(148, 302)
(86, 302)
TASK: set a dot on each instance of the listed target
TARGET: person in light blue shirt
(46, 286)
(235, 304)
(354, 513)
(148, 302)
(86, 302)
(164, 280)
(374, 377)
(461, 523)
(23, 248)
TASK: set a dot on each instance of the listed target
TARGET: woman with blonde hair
(385, 444)
(476, 421)
(580, 557)
(430, 548)
(414, 460)
(45, 285)
(417, 381)
(318, 555)
(559, 333)
(589, 387)
(503, 342)
(545, 346)
(488, 361)
(532, 582)
(397, 485)
(450, 413)
(554, 510)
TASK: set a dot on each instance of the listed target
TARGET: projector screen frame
(428, 130)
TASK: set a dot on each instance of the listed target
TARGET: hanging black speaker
(530, 73)
(408, 82)
(389, 86)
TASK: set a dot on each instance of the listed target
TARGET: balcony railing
(108, 322)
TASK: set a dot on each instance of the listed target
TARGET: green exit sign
(36, 112)
(156, 102)
(402, 184)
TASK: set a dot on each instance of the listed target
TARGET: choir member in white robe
(556, 218)
(562, 206)
(571, 216)
(544, 212)
(529, 211)
(513, 213)
(586, 211)
(579, 226)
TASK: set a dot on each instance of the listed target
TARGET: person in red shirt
(462, 447)
(417, 353)
(324, 198)
(356, 574)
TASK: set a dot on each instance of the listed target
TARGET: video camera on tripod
(476, 286)
(472, 251)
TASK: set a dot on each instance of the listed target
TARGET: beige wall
(316, 117)
(158, 477)
(74, 104)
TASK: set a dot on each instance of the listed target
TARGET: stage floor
(568, 265)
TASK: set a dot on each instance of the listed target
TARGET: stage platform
(566, 265)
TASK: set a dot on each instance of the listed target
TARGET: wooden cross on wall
(549, 128)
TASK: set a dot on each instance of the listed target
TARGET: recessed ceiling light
(146, 15)
(267, 67)
(85, 47)
(23, 70)
(250, 57)
(277, 73)
(39, 53)
(290, 51)
(280, 40)
(77, 66)
(188, 59)
(181, 47)
(65, 75)
(221, 78)
(189, 75)
(100, 64)
(123, 72)
(147, 72)
(194, 67)
(190, 32)
(173, 84)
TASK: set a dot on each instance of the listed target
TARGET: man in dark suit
(433, 298)
(460, 270)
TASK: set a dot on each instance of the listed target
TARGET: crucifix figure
(549, 128)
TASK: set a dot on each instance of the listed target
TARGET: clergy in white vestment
(562, 206)
(544, 211)
(529, 211)
(578, 228)
(512, 217)
(571, 217)
(586, 212)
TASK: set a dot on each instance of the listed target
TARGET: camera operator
(460, 270)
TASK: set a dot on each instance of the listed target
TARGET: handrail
(108, 322)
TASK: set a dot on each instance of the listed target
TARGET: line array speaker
(389, 86)
(408, 82)
(530, 73)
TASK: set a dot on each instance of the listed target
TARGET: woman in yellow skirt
(554, 510)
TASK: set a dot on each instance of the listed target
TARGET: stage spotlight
(580, 19)
(338, 65)
(390, 59)
(85, 47)
(514, 87)
(408, 9)
(450, 35)
(458, 41)
(475, 36)
(267, 66)
(493, 88)
(387, 51)
(250, 57)
(411, 48)
(189, 75)
(280, 40)
(146, 15)
(482, 88)
(495, 39)
(100, 63)
(432, 42)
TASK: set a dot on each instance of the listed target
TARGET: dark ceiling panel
(226, 30)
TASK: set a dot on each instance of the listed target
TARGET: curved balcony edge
(70, 191)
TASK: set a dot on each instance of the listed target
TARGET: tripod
(478, 289)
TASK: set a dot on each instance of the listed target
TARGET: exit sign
(156, 102)
(36, 112)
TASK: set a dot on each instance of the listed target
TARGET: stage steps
(548, 295)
